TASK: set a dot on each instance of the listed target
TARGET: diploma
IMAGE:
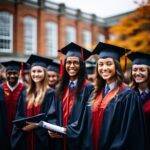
(52, 127)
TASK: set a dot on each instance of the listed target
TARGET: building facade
(42, 27)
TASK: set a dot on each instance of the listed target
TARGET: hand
(54, 135)
(30, 126)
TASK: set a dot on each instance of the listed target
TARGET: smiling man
(11, 90)
(74, 91)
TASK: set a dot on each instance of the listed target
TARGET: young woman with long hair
(74, 91)
(116, 113)
(141, 82)
(36, 99)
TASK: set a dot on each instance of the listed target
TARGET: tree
(133, 31)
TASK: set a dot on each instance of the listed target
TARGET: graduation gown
(146, 109)
(18, 138)
(75, 136)
(4, 139)
(9, 100)
(121, 126)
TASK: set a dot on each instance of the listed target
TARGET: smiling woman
(38, 98)
(115, 109)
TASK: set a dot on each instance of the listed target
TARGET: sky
(102, 8)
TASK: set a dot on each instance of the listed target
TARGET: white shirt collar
(75, 82)
(146, 91)
(12, 88)
(112, 85)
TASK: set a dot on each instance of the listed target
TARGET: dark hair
(100, 82)
(65, 79)
(135, 85)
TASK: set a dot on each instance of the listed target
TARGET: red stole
(11, 99)
(98, 109)
(146, 107)
(67, 103)
(30, 136)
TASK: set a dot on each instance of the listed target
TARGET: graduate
(73, 91)
(53, 74)
(141, 82)
(36, 99)
(90, 69)
(117, 118)
(10, 92)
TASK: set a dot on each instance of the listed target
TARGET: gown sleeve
(123, 124)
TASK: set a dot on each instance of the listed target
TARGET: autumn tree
(133, 31)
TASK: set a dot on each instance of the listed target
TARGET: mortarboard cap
(73, 49)
(22, 121)
(105, 50)
(139, 58)
(35, 60)
(90, 69)
(12, 65)
(53, 67)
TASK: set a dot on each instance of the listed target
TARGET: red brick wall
(20, 11)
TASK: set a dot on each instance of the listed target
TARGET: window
(70, 34)
(101, 38)
(87, 39)
(51, 39)
(30, 35)
(6, 32)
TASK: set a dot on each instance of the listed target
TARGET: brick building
(42, 27)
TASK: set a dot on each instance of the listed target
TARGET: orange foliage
(133, 31)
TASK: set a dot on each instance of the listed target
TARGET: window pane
(30, 35)
(87, 39)
(51, 39)
(101, 38)
(6, 32)
(70, 34)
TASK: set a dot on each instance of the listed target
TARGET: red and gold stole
(98, 109)
(11, 99)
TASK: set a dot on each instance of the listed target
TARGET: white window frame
(30, 35)
(7, 37)
(70, 34)
(101, 38)
(51, 38)
(87, 39)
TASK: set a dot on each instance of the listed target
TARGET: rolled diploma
(52, 127)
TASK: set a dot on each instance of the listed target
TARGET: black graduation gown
(123, 125)
(76, 138)
(18, 139)
(4, 140)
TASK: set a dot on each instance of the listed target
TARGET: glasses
(75, 63)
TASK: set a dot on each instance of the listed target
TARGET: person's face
(106, 69)
(53, 78)
(140, 73)
(37, 74)
(12, 77)
(72, 66)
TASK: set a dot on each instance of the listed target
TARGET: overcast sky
(103, 8)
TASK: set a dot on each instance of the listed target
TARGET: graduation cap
(53, 67)
(22, 121)
(73, 49)
(139, 58)
(35, 60)
(105, 50)
(13, 65)
(90, 69)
